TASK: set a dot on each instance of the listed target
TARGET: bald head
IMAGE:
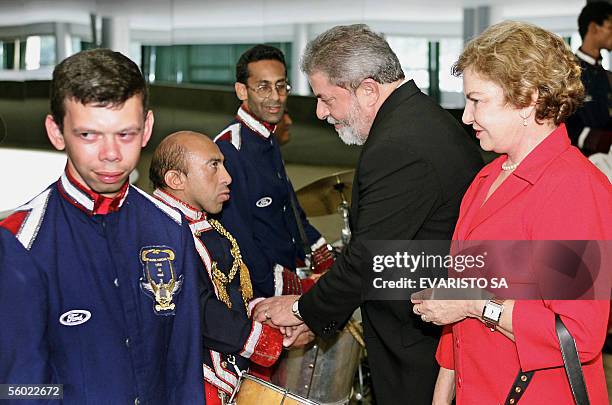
(171, 154)
(189, 165)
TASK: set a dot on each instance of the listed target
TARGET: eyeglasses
(265, 90)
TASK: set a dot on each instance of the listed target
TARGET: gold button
(224, 364)
(517, 389)
(511, 401)
(523, 378)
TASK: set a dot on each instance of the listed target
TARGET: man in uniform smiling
(260, 211)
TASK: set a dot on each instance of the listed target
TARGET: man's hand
(297, 336)
(277, 310)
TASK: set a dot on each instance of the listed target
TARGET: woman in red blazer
(521, 83)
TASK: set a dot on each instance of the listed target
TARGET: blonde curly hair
(522, 58)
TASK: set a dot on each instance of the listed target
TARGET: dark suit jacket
(412, 173)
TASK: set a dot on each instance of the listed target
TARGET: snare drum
(324, 370)
(255, 391)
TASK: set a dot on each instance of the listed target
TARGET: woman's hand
(445, 387)
(444, 312)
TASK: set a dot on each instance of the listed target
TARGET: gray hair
(348, 54)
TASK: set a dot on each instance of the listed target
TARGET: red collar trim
(88, 200)
(192, 214)
(261, 128)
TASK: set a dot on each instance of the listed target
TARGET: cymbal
(323, 196)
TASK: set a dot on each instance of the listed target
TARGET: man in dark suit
(415, 165)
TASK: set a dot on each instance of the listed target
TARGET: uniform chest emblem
(159, 280)
(264, 202)
(75, 317)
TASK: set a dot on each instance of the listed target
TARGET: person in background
(262, 210)
(281, 132)
(590, 127)
(112, 309)
(521, 83)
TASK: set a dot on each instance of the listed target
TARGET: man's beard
(355, 128)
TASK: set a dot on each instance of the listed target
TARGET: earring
(524, 119)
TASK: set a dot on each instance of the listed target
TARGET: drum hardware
(325, 370)
(362, 393)
(232, 360)
(345, 233)
(222, 397)
(356, 330)
(359, 394)
(327, 196)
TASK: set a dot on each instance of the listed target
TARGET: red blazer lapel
(505, 193)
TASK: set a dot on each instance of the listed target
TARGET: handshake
(278, 312)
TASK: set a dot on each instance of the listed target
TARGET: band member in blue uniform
(188, 173)
(113, 311)
(590, 128)
(261, 193)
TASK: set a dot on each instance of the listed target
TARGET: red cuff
(291, 283)
(268, 347)
(323, 258)
(307, 284)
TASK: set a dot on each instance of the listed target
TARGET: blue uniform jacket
(229, 334)
(259, 211)
(595, 111)
(88, 316)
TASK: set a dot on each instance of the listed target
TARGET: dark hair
(597, 12)
(97, 76)
(169, 155)
(255, 54)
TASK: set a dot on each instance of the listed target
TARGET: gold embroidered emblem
(159, 278)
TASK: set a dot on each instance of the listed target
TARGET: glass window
(413, 54)
(450, 49)
(47, 50)
(210, 64)
(451, 87)
(8, 55)
(75, 45)
(39, 51)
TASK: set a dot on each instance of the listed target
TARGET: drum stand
(343, 209)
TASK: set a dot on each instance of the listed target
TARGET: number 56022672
(31, 391)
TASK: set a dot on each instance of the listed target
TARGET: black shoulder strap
(573, 369)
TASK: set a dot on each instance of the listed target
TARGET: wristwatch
(296, 309)
(492, 312)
